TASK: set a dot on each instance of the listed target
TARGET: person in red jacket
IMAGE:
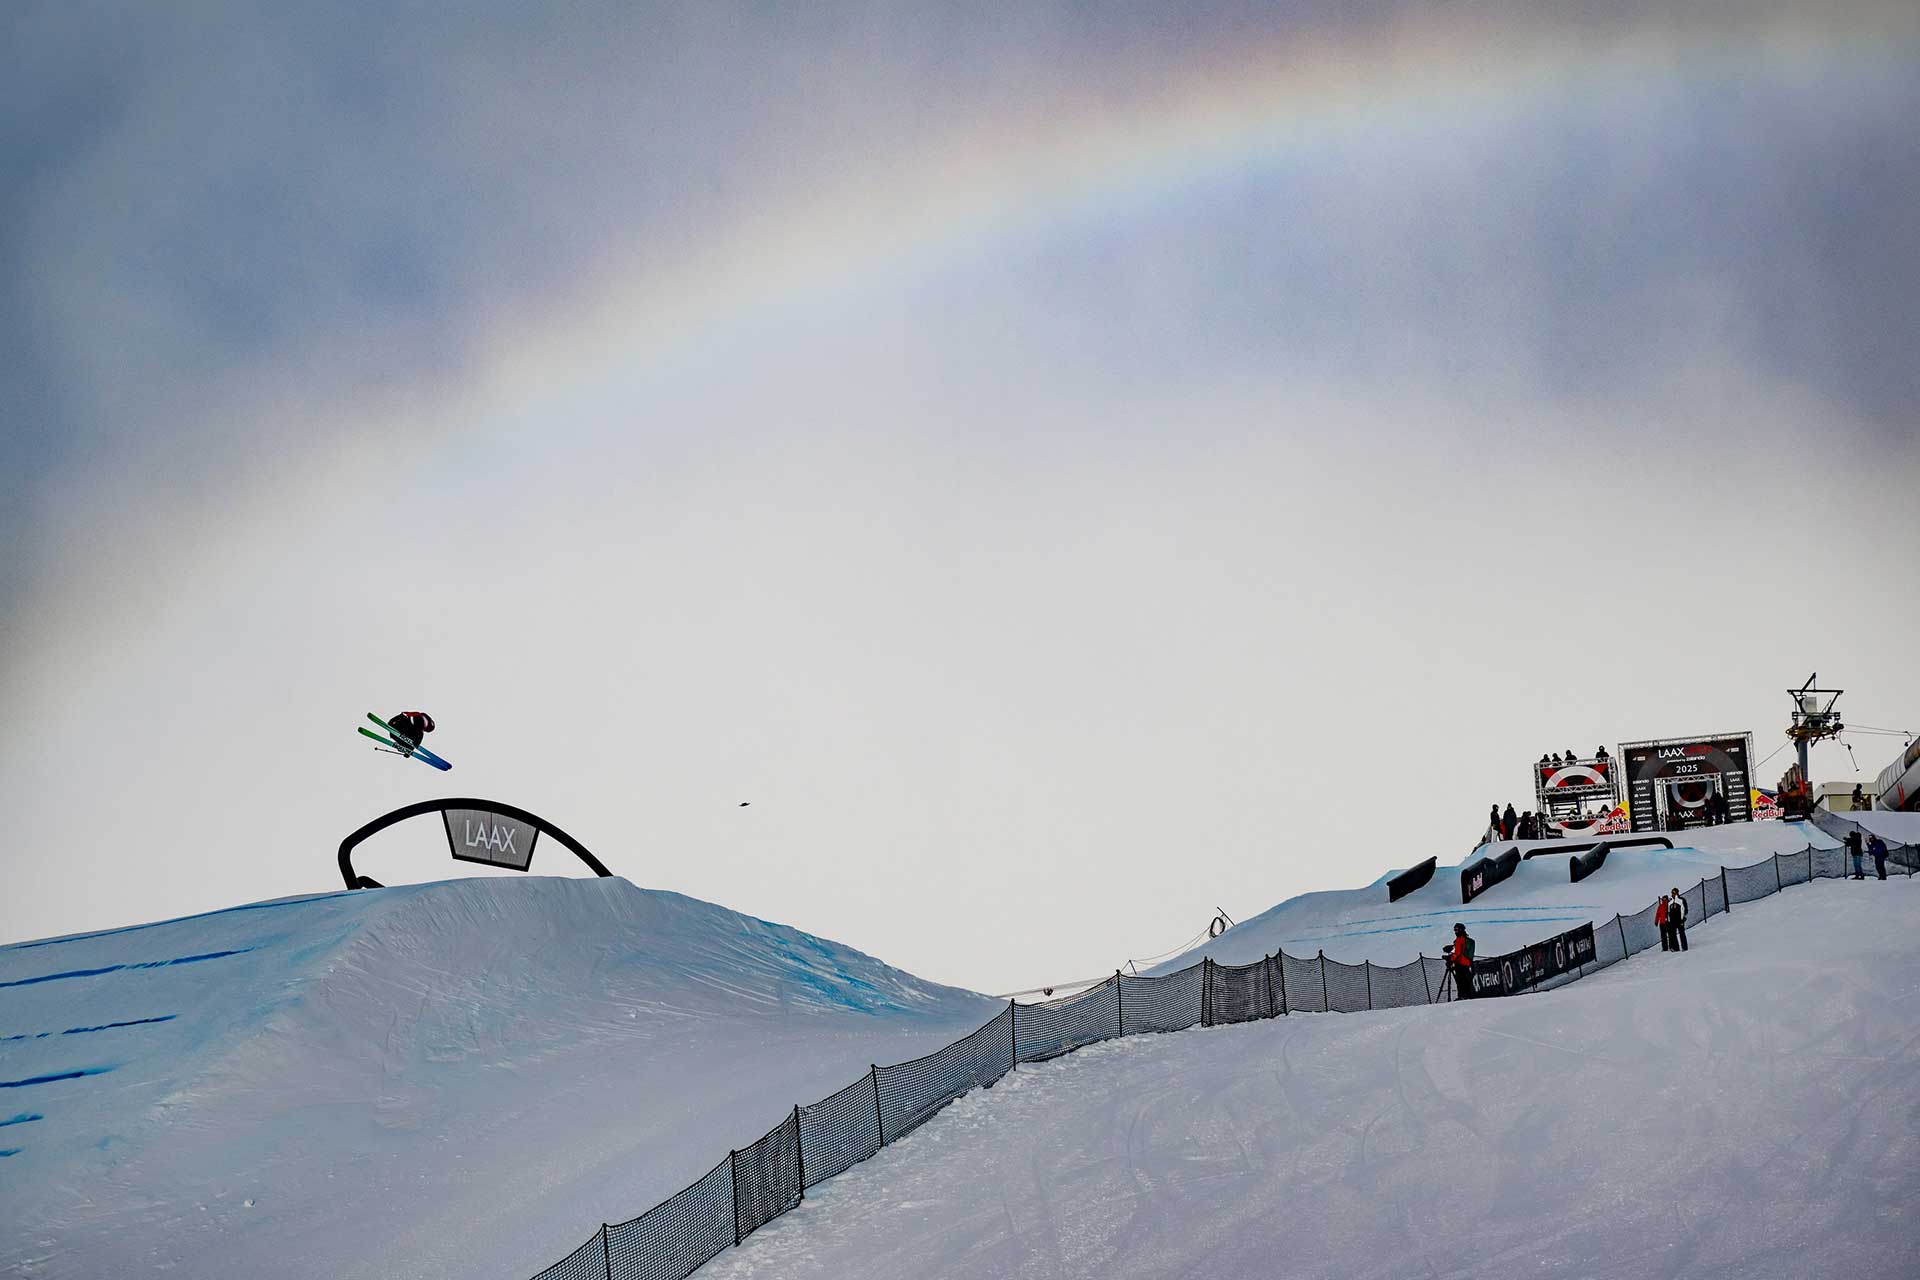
(409, 727)
(1459, 954)
(1660, 922)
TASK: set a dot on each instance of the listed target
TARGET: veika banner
(1518, 970)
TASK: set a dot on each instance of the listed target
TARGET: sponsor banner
(1765, 806)
(479, 835)
(1518, 970)
(1670, 780)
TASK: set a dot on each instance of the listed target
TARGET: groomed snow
(431, 1080)
(1746, 1109)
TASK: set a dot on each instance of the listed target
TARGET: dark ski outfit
(1677, 920)
(1853, 851)
(410, 727)
(1878, 848)
(1509, 824)
(1460, 960)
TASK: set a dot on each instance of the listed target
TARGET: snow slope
(1745, 1109)
(424, 1080)
(1352, 925)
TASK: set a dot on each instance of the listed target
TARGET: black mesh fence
(813, 1143)
(1043, 1031)
(1239, 993)
(1172, 1003)
(1639, 931)
(840, 1131)
(1305, 990)
(1398, 987)
(590, 1259)
(912, 1092)
(1346, 987)
(766, 1176)
(1696, 900)
(1747, 884)
(679, 1235)
(1609, 943)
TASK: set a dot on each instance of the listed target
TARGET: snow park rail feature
(485, 831)
(814, 1142)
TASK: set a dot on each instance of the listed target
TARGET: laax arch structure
(500, 835)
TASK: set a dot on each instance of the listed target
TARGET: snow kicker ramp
(1745, 1109)
(427, 1080)
(1352, 925)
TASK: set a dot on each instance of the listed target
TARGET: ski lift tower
(1811, 720)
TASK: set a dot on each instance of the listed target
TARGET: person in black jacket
(409, 727)
(1509, 823)
(1677, 919)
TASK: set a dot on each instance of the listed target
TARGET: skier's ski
(393, 740)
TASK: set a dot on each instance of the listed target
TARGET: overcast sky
(1071, 467)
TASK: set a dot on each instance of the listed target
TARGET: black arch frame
(381, 823)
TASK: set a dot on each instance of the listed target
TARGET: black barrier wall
(1414, 877)
(1478, 877)
(1582, 865)
(812, 1143)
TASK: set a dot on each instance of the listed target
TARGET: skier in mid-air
(409, 727)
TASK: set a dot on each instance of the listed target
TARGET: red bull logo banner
(1766, 806)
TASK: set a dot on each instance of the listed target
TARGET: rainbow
(1024, 172)
(1027, 170)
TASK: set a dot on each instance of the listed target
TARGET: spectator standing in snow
(1853, 851)
(1459, 954)
(1493, 822)
(1677, 919)
(1660, 923)
(1509, 823)
(1878, 848)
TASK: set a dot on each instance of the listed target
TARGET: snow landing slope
(453, 1078)
(1747, 1109)
(1539, 900)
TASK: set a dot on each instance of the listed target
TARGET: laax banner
(1518, 970)
(479, 835)
(1671, 780)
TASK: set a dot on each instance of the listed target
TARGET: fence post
(1266, 967)
(1013, 1036)
(1206, 991)
(1368, 964)
(1622, 926)
(1280, 963)
(1779, 885)
(799, 1151)
(1326, 1005)
(1723, 891)
(1420, 957)
(1120, 1002)
(879, 1116)
(733, 1171)
(606, 1254)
